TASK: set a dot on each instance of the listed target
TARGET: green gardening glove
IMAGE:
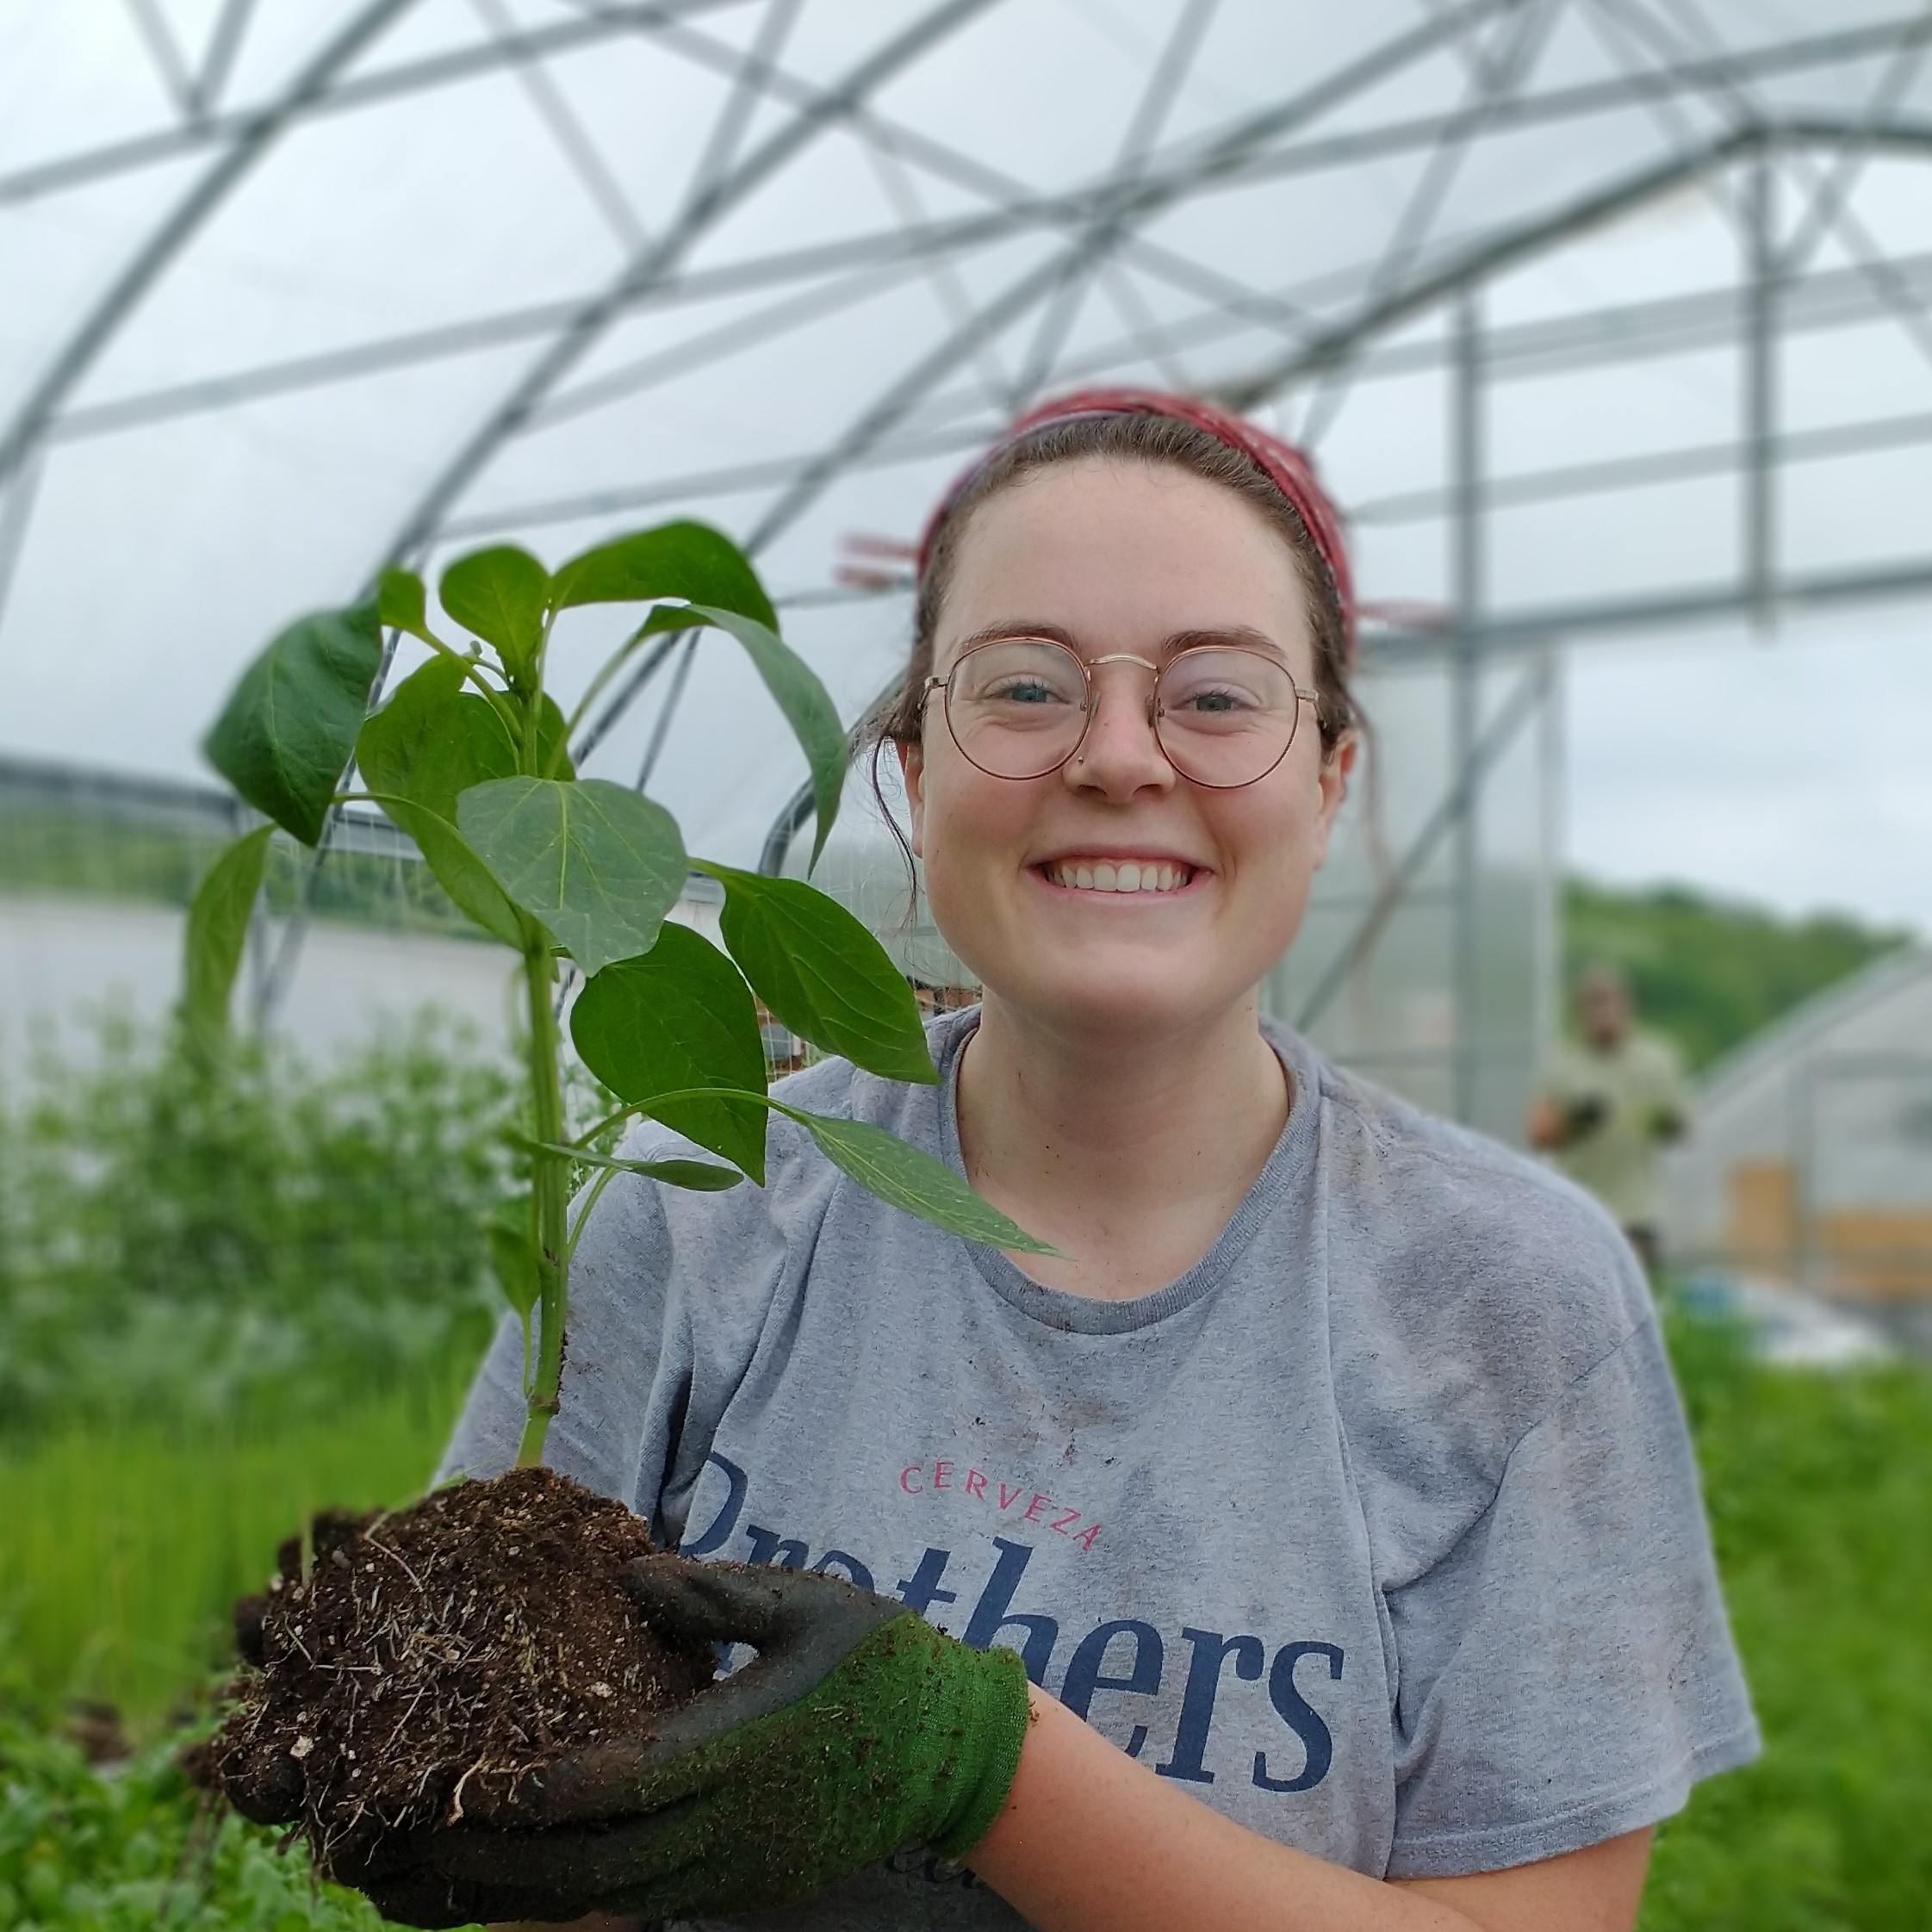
(858, 1728)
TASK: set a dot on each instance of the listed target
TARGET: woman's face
(1110, 556)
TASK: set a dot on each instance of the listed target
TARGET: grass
(120, 1548)
(119, 1551)
(1819, 1489)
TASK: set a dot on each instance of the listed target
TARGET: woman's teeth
(1106, 876)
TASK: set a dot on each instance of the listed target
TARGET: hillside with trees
(1707, 972)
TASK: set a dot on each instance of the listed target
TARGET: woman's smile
(1114, 895)
(1117, 876)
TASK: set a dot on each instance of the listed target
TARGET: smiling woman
(1372, 1494)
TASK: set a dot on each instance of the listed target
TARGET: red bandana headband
(1287, 468)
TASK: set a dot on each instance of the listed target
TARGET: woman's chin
(1118, 1008)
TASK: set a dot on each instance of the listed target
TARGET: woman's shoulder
(1471, 1290)
(1452, 1214)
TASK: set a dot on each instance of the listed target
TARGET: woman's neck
(1128, 1156)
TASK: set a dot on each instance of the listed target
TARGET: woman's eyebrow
(1235, 636)
(996, 633)
(1238, 636)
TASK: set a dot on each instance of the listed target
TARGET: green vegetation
(229, 1295)
(1707, 975)
(110, 843)
(124, 1543)
(469, 755)
(1819, 1488)
(183, 1239)
(81, 1853)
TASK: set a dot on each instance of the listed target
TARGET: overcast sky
(1791, 769)
(1796, 770)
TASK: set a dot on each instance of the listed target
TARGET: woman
(1328, 1483)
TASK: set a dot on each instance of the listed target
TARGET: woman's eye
(1026, 691)
(1216, 701)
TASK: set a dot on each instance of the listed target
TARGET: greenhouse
(1811, 1157)
(633, 344)
(1600, 317)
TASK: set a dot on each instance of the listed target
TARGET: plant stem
(549, 1185)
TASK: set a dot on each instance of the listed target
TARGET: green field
(1820, 1493)
(123, 1548)
(119, 1552)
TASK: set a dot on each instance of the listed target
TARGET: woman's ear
(912, 769)
(1332, 776)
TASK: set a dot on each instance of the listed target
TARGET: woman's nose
(1120, 754)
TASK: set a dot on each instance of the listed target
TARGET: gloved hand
(858, 1728)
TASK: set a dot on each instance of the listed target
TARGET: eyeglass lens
(1224, 717)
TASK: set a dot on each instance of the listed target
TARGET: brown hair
(1134, 437)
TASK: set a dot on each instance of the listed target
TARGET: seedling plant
(469, 755)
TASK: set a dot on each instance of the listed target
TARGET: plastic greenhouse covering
(293, 286)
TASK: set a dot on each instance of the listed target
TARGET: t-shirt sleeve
(1565, 1672)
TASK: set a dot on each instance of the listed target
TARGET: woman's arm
(1090, 1842)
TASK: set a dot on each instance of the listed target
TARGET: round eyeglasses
(1021, 707)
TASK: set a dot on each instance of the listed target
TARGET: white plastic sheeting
(544, 268)
(1599, 315)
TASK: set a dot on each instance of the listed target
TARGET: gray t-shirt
(1377, 1530)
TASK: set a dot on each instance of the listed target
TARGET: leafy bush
(84, 1852)
(182, 1236)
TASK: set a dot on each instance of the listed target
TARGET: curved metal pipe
(258, 134)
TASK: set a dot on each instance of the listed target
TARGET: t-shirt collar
(1286, 1176)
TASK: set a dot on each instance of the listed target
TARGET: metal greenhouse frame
(1486, 139)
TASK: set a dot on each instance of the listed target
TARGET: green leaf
(900, 1174)
(218, 920)
(432, 739)
(684, 559)
(501, 593)
(463, 876)
(400, 602)
(822, 973)
(289, 725)
(550, 725)
(679, 1016)
(699, 1175)
(513, 1250)
(596, 864)
(807, 705)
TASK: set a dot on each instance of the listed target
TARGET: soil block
(407, 1669)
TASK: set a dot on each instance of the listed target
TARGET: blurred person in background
(1613, 1100)
(1310, 1541)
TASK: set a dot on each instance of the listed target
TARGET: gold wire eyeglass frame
(1089, 705)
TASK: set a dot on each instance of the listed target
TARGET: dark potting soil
(432, 1656)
